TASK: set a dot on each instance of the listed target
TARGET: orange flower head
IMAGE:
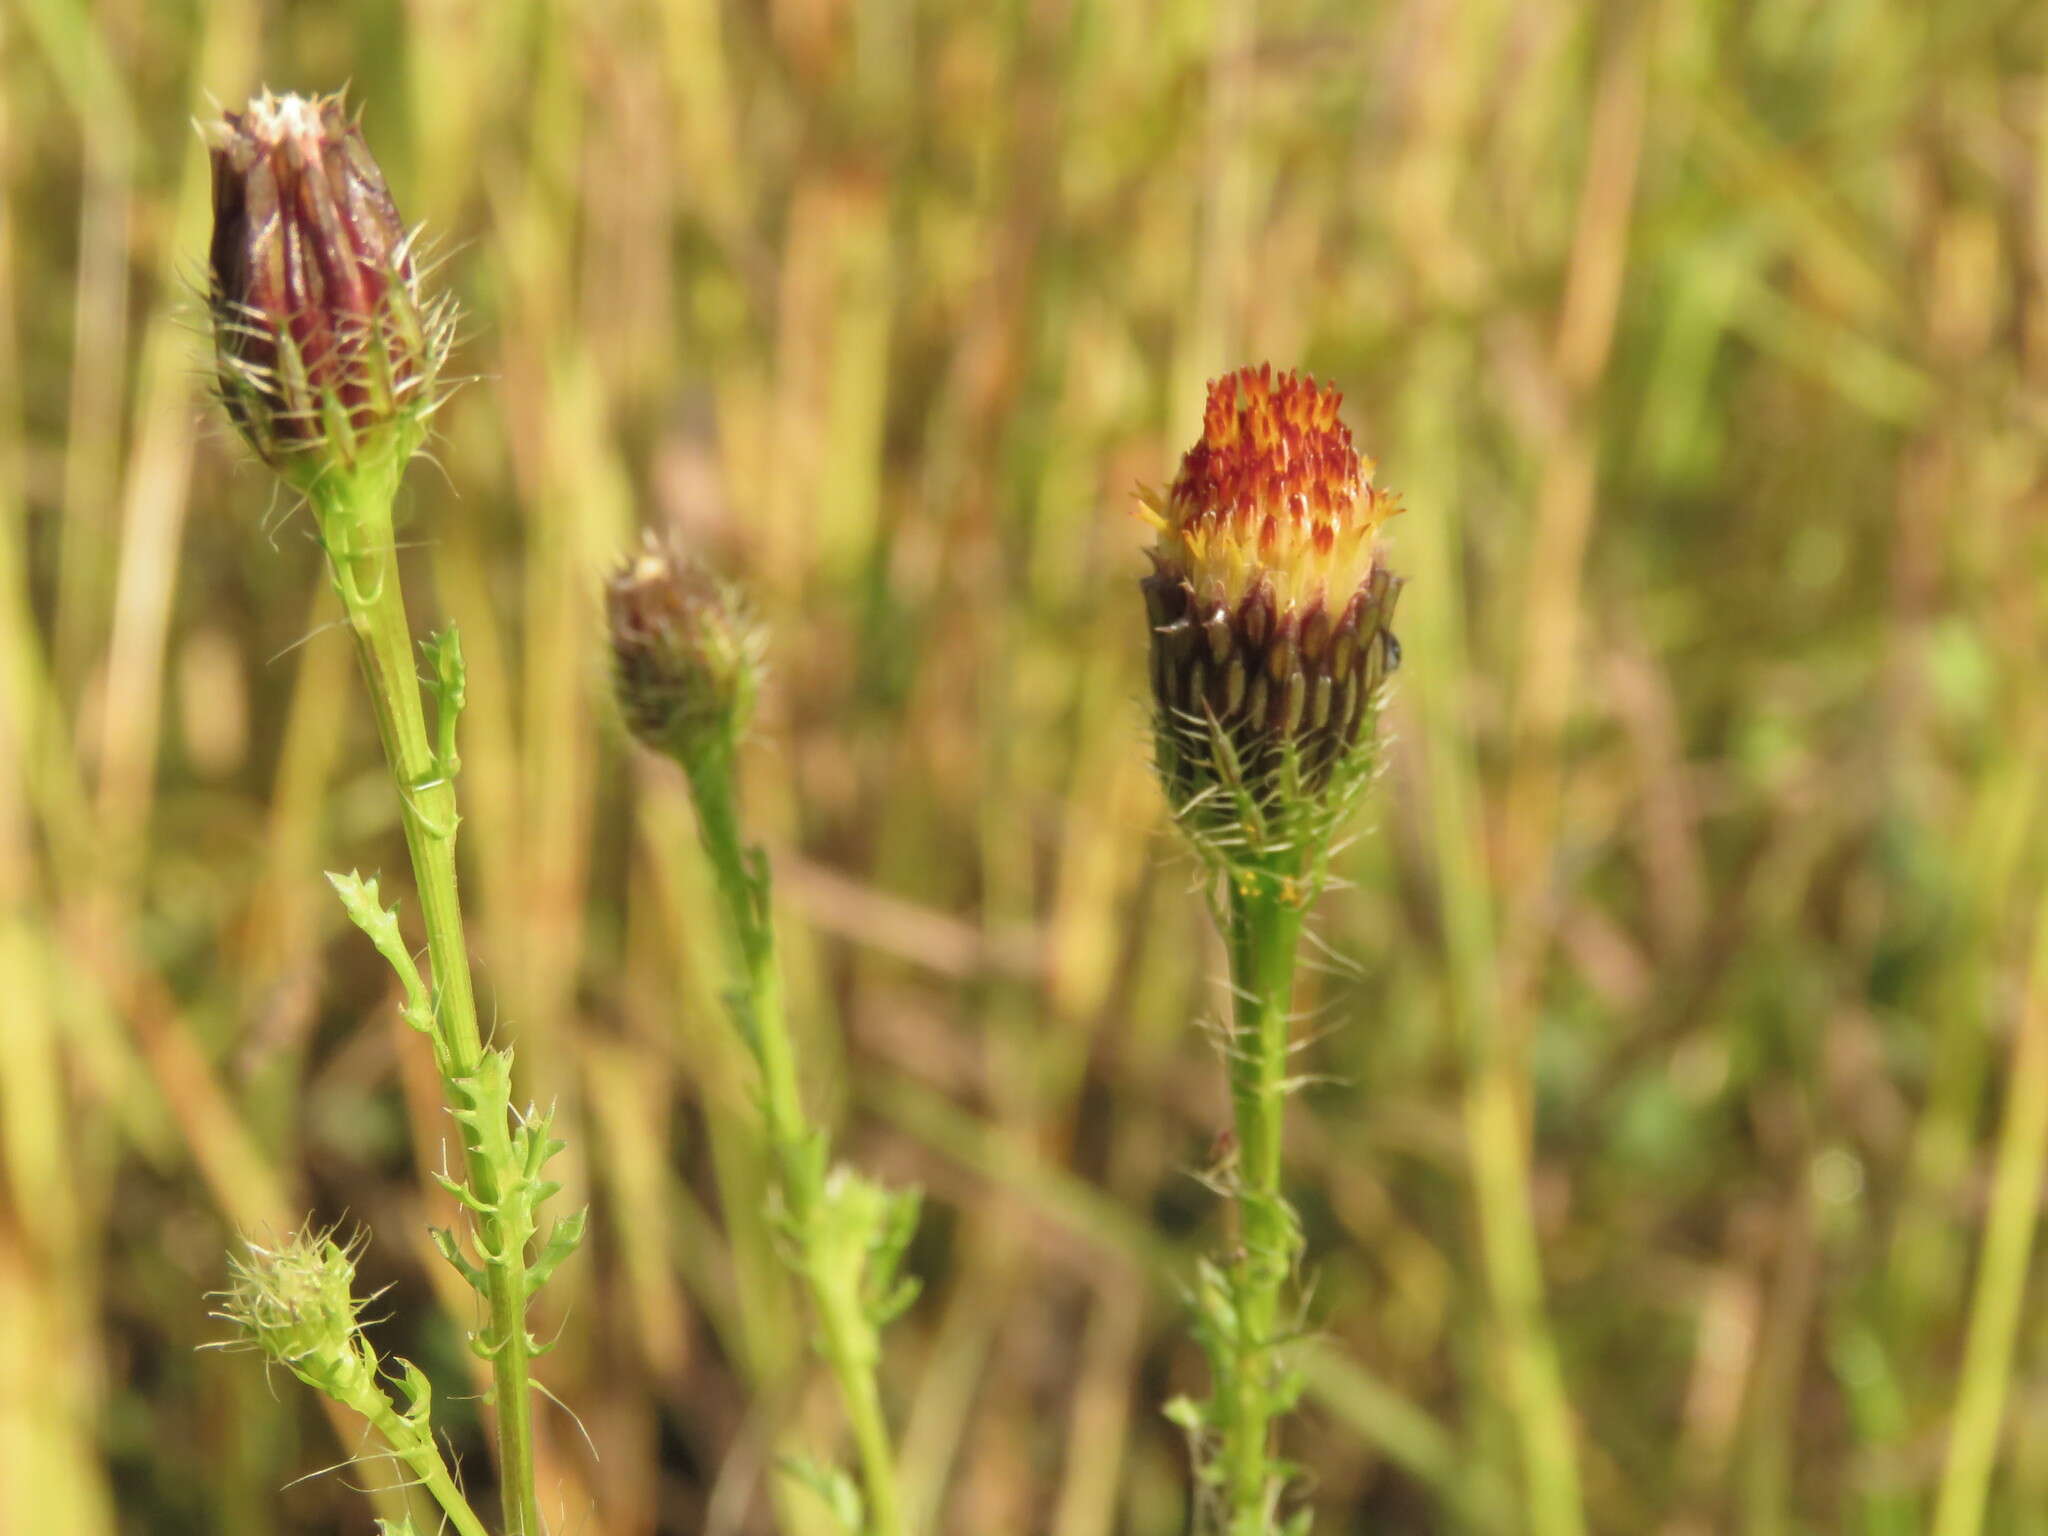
(1276, 491)
(1269, 603)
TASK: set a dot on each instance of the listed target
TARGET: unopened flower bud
(327, 355)
(686, 654)
(295, 1303)
(1270, 611)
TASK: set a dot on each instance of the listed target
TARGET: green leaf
(563, 1239)
(1187, 1413)
(451, 1250)
(366, 909)
(898, 1301)
(841, 1495)
(419, 1395)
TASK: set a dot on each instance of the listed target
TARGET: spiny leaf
(450, 1248)
(563, 1239)
(365, 908)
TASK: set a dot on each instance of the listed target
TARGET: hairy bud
(326, 353)
(1270, 613)
(295, 1303)
(686, 654)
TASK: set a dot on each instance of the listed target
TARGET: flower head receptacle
(327, 354)
(686, 654)
(1270, 610)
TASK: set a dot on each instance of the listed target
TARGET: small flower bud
(326, 353)
(295, 1303)
(1269, 610)
(686, 653)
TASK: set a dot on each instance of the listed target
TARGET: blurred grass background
(1709, 346)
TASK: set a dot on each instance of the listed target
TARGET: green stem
(1264, 933)
(847, 1339)
(2002, 1267)
(424, 1457)
(356, 530)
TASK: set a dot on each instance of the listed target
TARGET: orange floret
(1276, 488)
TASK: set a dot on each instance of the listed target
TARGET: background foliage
(1709, 346)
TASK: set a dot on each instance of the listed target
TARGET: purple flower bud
(686, 654)
(325, 352)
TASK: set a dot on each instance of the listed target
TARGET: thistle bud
(1270, 612)
(296, 1304)
(326, 353)
(686, 654)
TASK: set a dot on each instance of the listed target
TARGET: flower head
(295, 1303)
(1270, 610)
(686, 654)
(326, 352)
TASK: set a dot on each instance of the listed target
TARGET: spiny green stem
(847, 1338)
(356, 528)
(1264, 932)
